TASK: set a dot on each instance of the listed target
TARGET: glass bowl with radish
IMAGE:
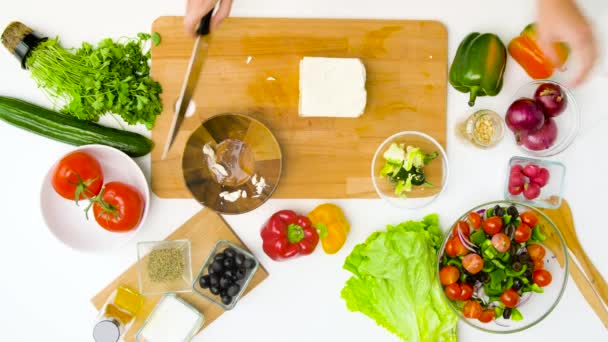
(536, 182)
(543, 118)
(503, 267)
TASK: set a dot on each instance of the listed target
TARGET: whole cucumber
(69, 130)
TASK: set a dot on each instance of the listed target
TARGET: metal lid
(106, 331)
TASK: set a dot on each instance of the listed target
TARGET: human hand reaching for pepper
(562, 20)
(197, 9)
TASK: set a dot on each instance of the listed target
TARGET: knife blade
(197, 59)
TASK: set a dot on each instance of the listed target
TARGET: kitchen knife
(197, 59)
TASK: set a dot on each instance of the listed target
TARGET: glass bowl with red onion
(543, 118)
(503, 267)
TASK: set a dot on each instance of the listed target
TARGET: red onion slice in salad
(525, 298)
(465, 242)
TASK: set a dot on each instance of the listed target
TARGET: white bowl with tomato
(503, 267)
(94, 198)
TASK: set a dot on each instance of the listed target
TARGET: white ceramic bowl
(67, 222)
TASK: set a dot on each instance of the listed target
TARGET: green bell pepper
(479, 65)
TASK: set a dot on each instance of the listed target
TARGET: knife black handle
(204, 27)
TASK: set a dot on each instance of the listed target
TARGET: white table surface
(47, 287)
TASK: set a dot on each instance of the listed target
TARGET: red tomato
(486, 316)
(522, 233)
(472, 309)
(464, 228)
(538, 264)
(529, 218)
(474, 219)
(449, 275)
(120, 207)
(542, 278)
(501, 242)
(77, 172)
(459, 248)
(473, 263)
(492, 225)
(536, 252)
(452, 291)
(510, 298)
(466, 291)
(449, 248)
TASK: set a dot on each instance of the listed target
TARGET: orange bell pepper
(525, 50)
(332, 226)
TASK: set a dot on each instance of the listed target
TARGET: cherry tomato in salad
(472, 309)
(501, 242)
(449, 275)
(453, 291)
(77, 176)
(466, 291)
(542, 278)
(459, 247)
(475, 219)
(538, 264)
(449, 248)
(536, 252)
(473, 263)
(492, 225)
(486, 316)
(522, 233)
(510, 298)
(464, 228)
(529, 218)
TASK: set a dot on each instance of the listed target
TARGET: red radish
(542, 178)
(517, 179)
(525, 115)
(551, 98)
(516, 169)
(515, 190)
(541, 139)
(531, 170)
(531, 191)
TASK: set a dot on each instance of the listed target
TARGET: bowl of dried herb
(164, 267)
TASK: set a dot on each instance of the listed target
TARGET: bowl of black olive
(225, 274)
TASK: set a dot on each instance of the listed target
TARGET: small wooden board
(253, 68)
(203, 230)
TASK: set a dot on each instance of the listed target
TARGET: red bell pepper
(288, 234)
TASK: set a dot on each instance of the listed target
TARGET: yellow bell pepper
(332, 226)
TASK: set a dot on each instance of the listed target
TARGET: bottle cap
(106, 331)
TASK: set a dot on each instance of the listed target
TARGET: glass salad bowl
(410, 170)
(568, 123)
(514, 275)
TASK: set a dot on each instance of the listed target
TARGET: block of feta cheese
(332, 87)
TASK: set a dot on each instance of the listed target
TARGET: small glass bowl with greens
(503, 267)
(410, 170)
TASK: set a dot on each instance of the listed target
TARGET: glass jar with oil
(117, 314)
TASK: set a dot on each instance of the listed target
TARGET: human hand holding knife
(197, 59)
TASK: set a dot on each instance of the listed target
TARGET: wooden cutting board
(203, 230)
(253, 69)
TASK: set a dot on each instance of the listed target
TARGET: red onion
(524, 298)
(540, 139)
(551, 98)
(465, 242)
(525, 115)
(501, 324)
